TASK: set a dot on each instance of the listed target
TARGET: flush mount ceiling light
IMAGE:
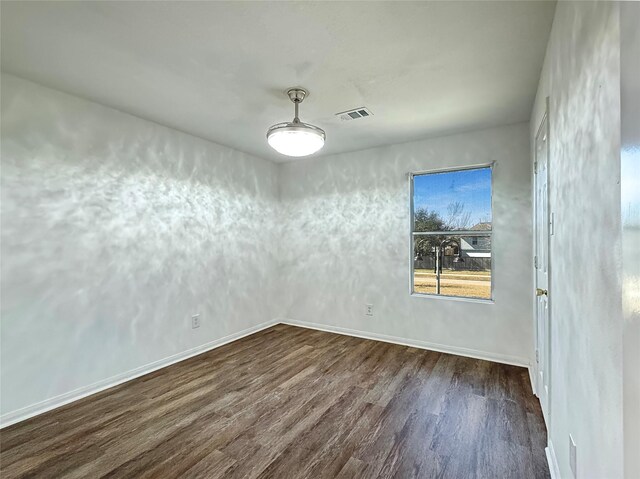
(296, 138)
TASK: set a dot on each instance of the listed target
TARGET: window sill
(453, 298)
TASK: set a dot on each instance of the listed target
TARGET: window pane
(465, 269)
(452, 200)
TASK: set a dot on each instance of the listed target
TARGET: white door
(541, 262)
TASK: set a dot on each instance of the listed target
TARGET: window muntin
(451, 233)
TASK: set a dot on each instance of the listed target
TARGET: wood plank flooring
(290, 402)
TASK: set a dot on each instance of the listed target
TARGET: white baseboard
(71, 396)
(532, 379)
(554, 469)
(471, 353)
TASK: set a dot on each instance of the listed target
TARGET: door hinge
(535, 167)
(537, 356)
(535, 262)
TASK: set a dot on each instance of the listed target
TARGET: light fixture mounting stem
(296, 95)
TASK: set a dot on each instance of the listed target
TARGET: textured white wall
(346, 243)
(630, 211)
(581, 75)
(114, 231)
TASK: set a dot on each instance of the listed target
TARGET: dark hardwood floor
(289, 402)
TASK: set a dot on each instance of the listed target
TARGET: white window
(451, 233)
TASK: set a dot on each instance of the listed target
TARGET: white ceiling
(219, 69)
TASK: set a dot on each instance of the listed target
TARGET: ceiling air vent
(354, 114)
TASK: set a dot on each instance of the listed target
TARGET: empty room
(304, 239)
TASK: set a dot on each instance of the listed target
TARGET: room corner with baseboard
(267, 239)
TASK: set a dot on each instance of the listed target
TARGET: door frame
(544, 123)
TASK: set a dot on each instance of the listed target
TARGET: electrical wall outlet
(572, 456)
(368, 309)
(195, 321)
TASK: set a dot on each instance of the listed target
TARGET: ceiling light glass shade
(295, 138)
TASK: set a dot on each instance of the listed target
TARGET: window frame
(413, 234)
